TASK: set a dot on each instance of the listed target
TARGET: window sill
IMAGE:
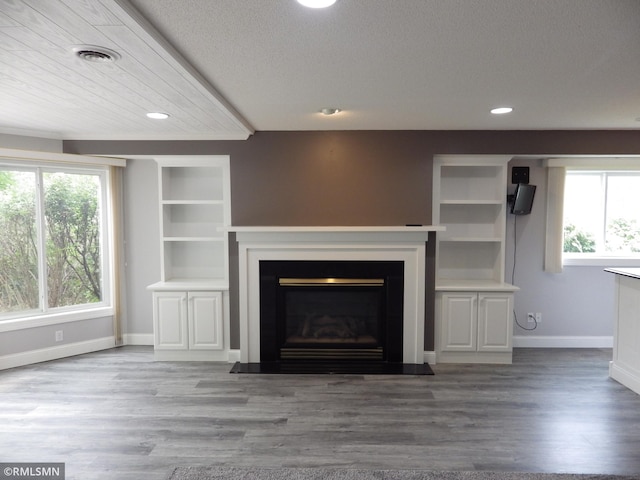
(601, 262)
(35, 321)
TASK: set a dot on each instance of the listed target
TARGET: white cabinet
(188, 320)
(191, 299)
(625, 366)
(473, 301)
(170, 328)
(474, 327)
(205, 320)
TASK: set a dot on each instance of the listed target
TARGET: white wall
(142, 247)
(577, 305)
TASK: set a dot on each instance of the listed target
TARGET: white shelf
(196, 260)
(192, 183)
(470, 183)
(194, 210)
(470, 201)
(189, 285)
(202, 219)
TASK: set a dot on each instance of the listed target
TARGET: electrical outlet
(538, 317)
(531, 317)
(59, 335)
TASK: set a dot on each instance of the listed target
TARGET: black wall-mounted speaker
(520, 175)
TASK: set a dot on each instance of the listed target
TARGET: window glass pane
(19, 284)
(623, 214)
(583, 212)
(72, 218)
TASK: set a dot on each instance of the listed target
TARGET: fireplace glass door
(331, 311)
(329, 318)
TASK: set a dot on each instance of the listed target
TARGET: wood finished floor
(118, 415)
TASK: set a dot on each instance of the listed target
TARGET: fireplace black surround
(337, 311)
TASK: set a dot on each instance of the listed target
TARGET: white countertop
(627, 272)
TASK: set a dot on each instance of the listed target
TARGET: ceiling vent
(92, 53)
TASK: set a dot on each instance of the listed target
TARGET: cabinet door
(494, 322)
(170, 318)
(205, 321)
(459, 322)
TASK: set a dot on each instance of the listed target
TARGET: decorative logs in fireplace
(331, 310)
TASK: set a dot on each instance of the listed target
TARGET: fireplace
(331, 310)
(325, 245)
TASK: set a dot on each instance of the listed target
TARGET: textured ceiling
(231, 66)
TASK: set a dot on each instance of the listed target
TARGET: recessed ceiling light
(95, 54)
(158, 115)
(501, 110)
(316, 3)
(330, 111)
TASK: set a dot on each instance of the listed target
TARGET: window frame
(51, 162)
(630, 164)
(598, 258)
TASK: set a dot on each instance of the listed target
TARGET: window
(54, 247)
(601, 214)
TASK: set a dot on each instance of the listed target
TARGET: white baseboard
(190, 355)
(534, 341)
(430, 357)
(626, 376)
(54, 353)
(138, 339)
(234, 356)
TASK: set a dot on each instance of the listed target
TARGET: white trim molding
(430, 357)
(60, 158)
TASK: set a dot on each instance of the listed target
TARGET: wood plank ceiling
(46, 90)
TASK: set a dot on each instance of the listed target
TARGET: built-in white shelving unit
(473, 301)
(191, 298)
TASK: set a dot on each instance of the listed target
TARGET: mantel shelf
(336, 229)
(368, 235)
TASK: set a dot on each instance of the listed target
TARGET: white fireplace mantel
(402, 243)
